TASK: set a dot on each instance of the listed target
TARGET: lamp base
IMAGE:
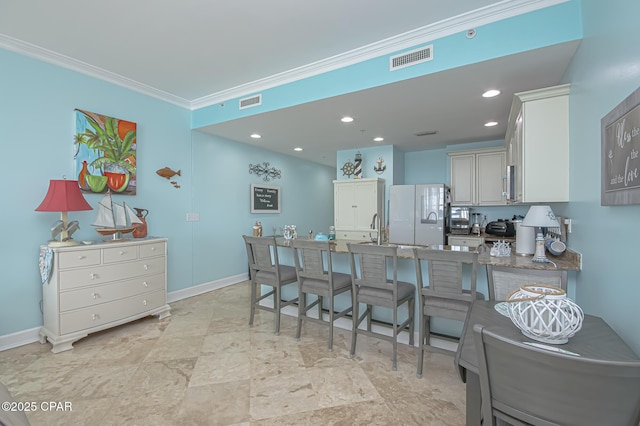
(66, 243)
(539, 256)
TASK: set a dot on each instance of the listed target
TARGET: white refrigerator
(418, 213)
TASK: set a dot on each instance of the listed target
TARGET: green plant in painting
(115, 150)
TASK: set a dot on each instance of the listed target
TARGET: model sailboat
(113, 218)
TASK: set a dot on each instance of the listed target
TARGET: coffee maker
(459, 221)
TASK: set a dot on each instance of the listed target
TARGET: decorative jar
(544, 313)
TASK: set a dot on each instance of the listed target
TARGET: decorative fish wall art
(168, 173)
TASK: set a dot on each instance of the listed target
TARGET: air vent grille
(251, 101)
(413, 57)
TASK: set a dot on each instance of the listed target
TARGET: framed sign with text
(265, 199)
(620, 170)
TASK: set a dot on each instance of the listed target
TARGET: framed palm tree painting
(105, 153)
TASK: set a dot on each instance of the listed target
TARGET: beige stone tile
(156, 408)
(230, 342)
(175, 347)
(170, 374)
(372, 413)
(341, 385)
(81, 413)
(216, 404)
(219, 368)
(219, 325)
(287, 393)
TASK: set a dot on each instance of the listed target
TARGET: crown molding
(483, 16)
(46, 55)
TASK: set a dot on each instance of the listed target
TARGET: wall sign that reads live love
(621, 153)
(265, 199)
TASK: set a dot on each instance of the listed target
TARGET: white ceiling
(193, 50)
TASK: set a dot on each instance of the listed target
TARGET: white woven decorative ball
(544, 313)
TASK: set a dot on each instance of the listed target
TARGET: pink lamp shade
(63, 196)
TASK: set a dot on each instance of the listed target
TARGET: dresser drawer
(89, 296)
(75, 259)
(119, 254)
(356, 235)
(105, 313)
(76, 278)
(152, 250)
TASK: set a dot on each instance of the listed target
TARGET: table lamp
(63, 196)
(540, 217)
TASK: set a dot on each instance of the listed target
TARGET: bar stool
(444, 297)
(265, 269)
(372, 286)
(314, 279)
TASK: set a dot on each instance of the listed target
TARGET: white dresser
(102, 285)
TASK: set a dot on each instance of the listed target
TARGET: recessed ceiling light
(297, 149)
(346, 119)
(490, 93)
(490, 123)
(378, 139)
(255, 136)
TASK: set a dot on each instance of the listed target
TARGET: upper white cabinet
(478, 177)
(355, 203)
(537, 142)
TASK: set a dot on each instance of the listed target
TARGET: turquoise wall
(605, 70)
(561, 23)
(37, 105)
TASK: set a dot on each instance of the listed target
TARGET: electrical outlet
(567, 221)
(193, 217)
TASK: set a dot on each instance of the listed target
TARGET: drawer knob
(82, 257)
(144, 302)
(146, 267)
(94, 317)
(94, 276)
(153, 249)
(144, 283)
(122, 253)
(95, 295)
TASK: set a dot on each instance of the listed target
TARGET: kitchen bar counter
(569, 260)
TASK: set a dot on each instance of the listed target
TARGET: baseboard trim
(25, 337)
(199, 289)
(346, 324)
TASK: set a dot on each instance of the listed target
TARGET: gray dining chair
(265, 269)
(371, 285)
(504, 280)
(523, 385)
(444, 296)
(314, 278)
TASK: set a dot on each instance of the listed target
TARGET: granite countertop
(569, 260)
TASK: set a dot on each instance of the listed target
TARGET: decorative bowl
(96, 182)
(544, 313)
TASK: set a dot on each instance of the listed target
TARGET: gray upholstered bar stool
(524, 385)
(265, 269)
(372, 286)
(504, 280)
(444, 297)
(314, 278)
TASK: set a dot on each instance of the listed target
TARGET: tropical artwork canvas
(105, 153)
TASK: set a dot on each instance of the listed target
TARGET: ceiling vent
(251, 101)
(427, 133)
(413, 57)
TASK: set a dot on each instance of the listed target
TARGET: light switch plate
(193, 217)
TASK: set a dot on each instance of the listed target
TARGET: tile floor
(205, 366)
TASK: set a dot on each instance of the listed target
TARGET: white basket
(544, 313)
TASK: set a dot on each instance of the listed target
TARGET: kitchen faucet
(376, 225)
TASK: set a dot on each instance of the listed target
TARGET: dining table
(596, 339)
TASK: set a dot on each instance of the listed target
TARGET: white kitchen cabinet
(537, 142)
(478, 177)
(102, 285)
(465, 240)
(355, 203)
